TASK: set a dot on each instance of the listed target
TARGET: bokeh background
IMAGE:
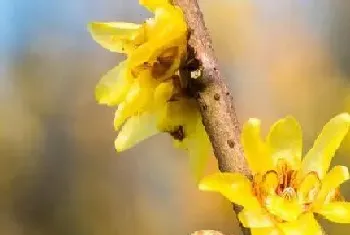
(59, 172)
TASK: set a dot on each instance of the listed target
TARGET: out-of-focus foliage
(286, 189)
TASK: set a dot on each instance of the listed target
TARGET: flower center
(289, 193)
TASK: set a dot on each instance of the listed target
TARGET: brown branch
(213, 96)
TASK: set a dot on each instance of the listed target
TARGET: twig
(213, 96)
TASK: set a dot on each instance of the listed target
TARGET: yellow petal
(285, 141)
(199, 150)
(266, 231)
(163, 93)
(152, 5)
(338, 212)
(135, 130)
(178, 113)
(308, 188)
(320, 155)
(332, 180)
(168, 23)
(114, 86)
(282, 208)
(118, 37)
(235, 187)
(139, 99)
(255, 149)
(270, 181)
(255, 219)
(306, 224)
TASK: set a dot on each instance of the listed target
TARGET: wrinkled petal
(320, 155)
(114, 86)
(152, 5)
(157, 29)
(332, 180)
(266, 231)
(270, 182)
(178, 113)
(255, 149)
(118, 37)
(199, 149)
(338, 212)
(309, 188)
(136, 101)
(255, 219)
(235, 187)
(284, 209)
(285, 141)
(306, 224)
(135, 130)
(163, 93)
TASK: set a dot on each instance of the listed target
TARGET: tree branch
(213, 96)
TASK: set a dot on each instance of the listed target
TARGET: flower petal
(139, 99)
(114, 86)
(306, 224)
(320, 155)
(152, 5)
(334, 178)
(255, 149)
(338, 212)
(285, 141)
(198, 147)
(282, 208)
(308, 188)
(118, 37)
(270, 182)
(266, 231)
(163, 93)
(168, 23)
(135, 130)
(255, 219)
(235, 187)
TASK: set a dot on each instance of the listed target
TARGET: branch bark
(213, 97)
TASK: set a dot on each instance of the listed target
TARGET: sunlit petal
(152, 5)
(269, 182)
(320, 155)
(255, 149)
(136, 129)
(255, 219)
(284, 209)
(235, 187)
(114, 86)
(306, 224)
(118, 37)
(338, 212)
(266, 231)
(199, 150)
(285, 141)
(309, 188)
(332, 180)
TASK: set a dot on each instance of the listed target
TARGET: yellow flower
(286, 189)
(149, 94)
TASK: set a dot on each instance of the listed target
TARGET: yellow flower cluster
(147, 89)
(286, 189)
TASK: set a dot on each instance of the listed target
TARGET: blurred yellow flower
(149, 94)
(286, 189)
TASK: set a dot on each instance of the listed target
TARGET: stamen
(289, 193)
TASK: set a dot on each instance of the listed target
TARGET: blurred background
(59, 172)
